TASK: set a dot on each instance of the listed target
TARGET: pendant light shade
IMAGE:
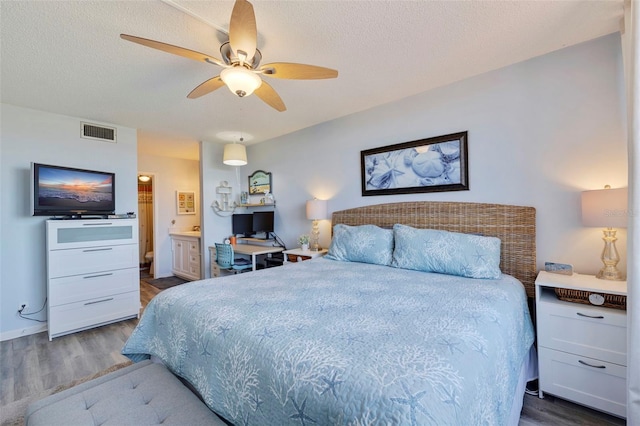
(235, 154)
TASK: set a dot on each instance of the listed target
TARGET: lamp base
(610, 273)
(610, 257)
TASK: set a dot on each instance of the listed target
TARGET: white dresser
(582, 348)
(186, 254)
(93, 275)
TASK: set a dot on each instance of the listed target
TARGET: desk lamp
(606, 208)
(316, 211)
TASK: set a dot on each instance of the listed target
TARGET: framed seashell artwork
(427, 165)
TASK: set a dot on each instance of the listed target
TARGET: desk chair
(225, 259)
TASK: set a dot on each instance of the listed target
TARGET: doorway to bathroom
(145, 224)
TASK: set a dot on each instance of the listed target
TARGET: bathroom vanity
(185, 248)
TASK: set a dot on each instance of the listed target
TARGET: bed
(337, 341)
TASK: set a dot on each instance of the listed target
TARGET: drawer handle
(590, 316)
(99, 249)
(98, 275)
(97, 224)
(98, 301)
(591, 365)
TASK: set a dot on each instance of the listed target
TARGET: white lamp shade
(316, 209)
(605, 208)
(235, 154)
(240, 80)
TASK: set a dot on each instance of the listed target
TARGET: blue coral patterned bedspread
(336, 343)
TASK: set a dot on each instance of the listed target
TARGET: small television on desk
(263, 222)
(242, 224)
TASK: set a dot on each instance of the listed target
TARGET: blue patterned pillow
(365, 244)
(452, 253)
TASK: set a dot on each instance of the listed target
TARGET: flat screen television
(66, 191)
(242, 224)
(263, 222)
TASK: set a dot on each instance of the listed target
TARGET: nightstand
(299, 255)
(582, 348)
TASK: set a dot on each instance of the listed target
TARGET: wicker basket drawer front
(591, 382)
(594, 332)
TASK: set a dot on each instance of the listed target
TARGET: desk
(253, 251)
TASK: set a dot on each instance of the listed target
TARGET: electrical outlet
(23, 307)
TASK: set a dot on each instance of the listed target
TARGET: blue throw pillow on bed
(452, 253)
(365, 244)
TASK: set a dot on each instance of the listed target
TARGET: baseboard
(14, 334)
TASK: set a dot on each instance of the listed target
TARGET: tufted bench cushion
(145, 393)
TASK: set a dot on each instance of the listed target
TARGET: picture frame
(185, 202)
(434, 164)
(260, 183)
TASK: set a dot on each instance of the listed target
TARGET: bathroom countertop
(186, 233)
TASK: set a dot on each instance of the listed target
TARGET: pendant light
(235, 154)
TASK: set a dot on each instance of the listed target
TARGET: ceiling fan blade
(270, 97)
(170, 48)
(243, 33)
(293, 71)
(206, 87)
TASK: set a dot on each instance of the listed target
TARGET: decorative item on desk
(606, 208)
(303, 240)
(316, 211)
(244, 197)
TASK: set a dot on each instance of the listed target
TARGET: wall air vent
(100, 133)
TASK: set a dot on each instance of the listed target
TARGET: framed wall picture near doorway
(186, 202)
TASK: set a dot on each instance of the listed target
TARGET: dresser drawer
(91, 286)
(587, 381)
(90, 260)
(194, 247)
(74, 317)
(82, 233)
(594, 332)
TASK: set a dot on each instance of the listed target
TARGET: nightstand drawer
(587, 381)
(297, 258)
(594, 332)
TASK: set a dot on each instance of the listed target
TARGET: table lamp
(316, 211)
(606, 208)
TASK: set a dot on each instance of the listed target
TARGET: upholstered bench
(145, 393)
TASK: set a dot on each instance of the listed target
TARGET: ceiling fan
(241, 61)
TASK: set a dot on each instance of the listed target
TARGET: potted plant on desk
(304, 242)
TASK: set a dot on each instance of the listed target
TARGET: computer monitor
(263, 222)
(242, 224)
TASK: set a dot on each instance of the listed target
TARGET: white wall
(540, 132)
(216, 226)
(170, 175)
(35, 136)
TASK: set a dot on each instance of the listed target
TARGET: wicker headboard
(514, 225)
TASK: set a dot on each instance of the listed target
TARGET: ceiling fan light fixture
(234, 154)
(241, 81)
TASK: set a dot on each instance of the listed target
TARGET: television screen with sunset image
(69, 191)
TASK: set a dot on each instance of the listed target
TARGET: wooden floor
(31, 364)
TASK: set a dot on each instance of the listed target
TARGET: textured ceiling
(66, 57)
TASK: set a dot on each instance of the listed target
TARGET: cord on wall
(25, 315)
